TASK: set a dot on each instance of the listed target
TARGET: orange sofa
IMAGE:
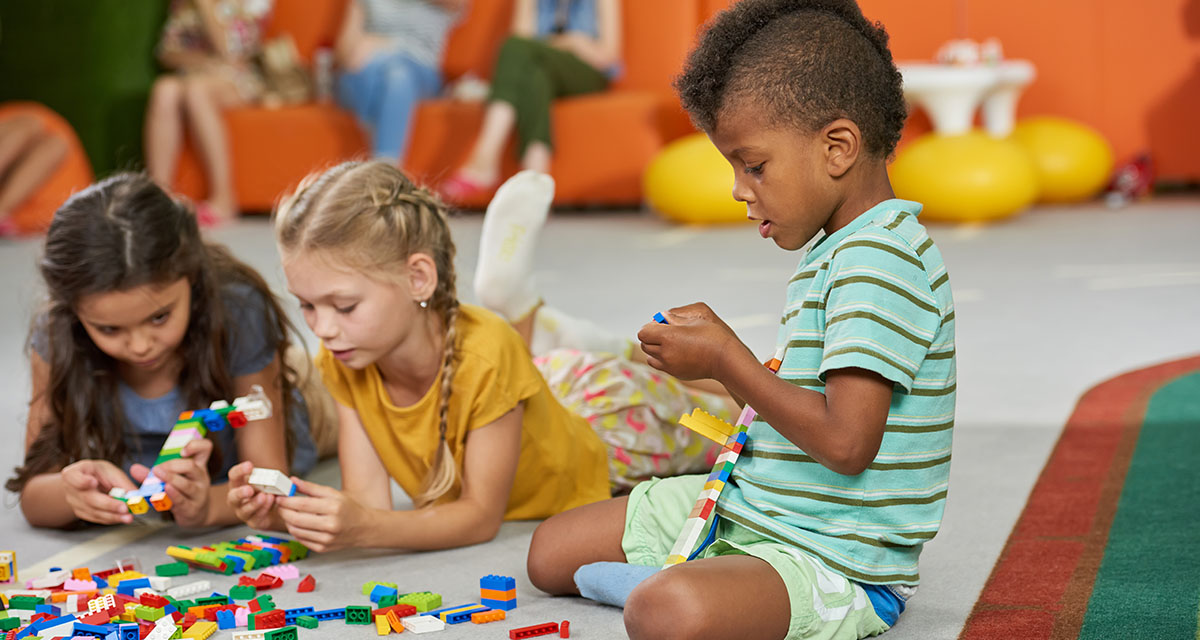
(603, 141)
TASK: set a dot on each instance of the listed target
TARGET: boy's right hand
(86, 485)
(692, 345)
(251, 506)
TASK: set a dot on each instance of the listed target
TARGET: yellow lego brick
(708, 425)
(381, 625)
(138, 505)
(675, 559)
(201, 630)
(714, 484)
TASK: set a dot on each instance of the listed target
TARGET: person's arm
(349, 35)
(77, 492)
(841, 428)
(524, 18)
(604, 50)
(453, 6)
(360, 517)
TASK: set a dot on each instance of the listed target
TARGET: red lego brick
(543, 629)
(151, 600)
(273, 619)
(402, 610)
(564, 629)
(38, 617)
(268, 581)
(188, 620)
(236, 419)
(307, 584)
(98, 618)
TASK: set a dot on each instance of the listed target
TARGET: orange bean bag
(73, 173)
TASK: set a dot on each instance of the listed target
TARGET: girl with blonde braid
(442, 397)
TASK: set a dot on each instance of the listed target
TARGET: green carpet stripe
(1149, 579)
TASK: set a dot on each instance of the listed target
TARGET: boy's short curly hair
(804, 62)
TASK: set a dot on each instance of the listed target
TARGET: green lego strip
(191, 424)
(165, 457)
(308, 622)
(172, 569)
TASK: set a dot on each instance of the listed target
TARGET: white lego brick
(116, 492)
(159, 583)
(192, 588)
(254, 405)
(249, 635)
(272, 481)
(218, 404)
(164, 628)
(50, 580)
(422, 624)
(180, 437)
(101, 603)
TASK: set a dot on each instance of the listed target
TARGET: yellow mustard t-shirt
(563, 463)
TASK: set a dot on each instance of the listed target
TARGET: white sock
(553, 329)
(504, 275)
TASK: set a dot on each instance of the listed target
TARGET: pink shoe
(206, 216)
(8, 229)
(458, 188)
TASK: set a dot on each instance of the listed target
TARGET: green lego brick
(182, 605)
(299, 551)
(25, 602)
(243, 592)
(150, 614)
(8, 624)
(210, 600)
(422, 600)
(265, 602)
(369, 586)
(282, 633)
(308, 622)
(172, 569)
(358, 615)
(387, 601)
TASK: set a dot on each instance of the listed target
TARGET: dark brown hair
(120, 233)
(802, 62)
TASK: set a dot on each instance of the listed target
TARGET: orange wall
(1129, 69)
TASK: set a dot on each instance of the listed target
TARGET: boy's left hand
(693, 345)
(324, 519)
(187, 482)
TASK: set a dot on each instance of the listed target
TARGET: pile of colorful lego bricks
(243, 554)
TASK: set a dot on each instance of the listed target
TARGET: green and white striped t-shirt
(874, 295)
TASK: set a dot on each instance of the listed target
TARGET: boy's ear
(422, 276)
(843, 144)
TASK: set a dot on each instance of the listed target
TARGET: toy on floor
(535, 630)
(193, 425)
(272, 481)
(733, 438)
(8, 567)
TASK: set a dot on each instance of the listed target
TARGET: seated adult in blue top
(558, 48)
(145, 320)
(390, 55)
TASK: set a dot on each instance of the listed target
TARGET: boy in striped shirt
(845, 472)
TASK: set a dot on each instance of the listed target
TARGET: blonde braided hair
(374, 218)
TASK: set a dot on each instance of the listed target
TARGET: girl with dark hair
(144, 320)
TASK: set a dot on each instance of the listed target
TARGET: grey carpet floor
(1049, 304)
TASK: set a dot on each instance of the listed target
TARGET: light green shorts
(824, 604)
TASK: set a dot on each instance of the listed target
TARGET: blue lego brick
(330, 614)
(128, 632)
(226, 620)
(212, 420)
(236, 562)
(101, 583)
(95, 631)
(169, 609)
(48, 608)
(382, 590)
(290, 615)
(660, 318)
(499, 583)
(506, 605)
(464, 616)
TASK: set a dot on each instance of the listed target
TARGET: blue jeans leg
(405, 82)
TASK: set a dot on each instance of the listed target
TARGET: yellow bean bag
(1073, 161)
(690, 181)
(971, 177)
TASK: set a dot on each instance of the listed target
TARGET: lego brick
(493, 594)
(386, 601)
(532, 631)
(422, 624)
(329, 614)
(564, 629)
(192, 588)
(201, 630)
(462, 614)
(225, 620)
(283, 633)
(249, 635)
(308, 622)
(368, 587)
(358, 615)
(290, 615)
(491, 615)
(242, 592)
(402, 610)
(262, 603)
(497, 583)
(381, 590)
(503, 605)
(272, 481)
(381, 625)
(393, 621)
(422, 600)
